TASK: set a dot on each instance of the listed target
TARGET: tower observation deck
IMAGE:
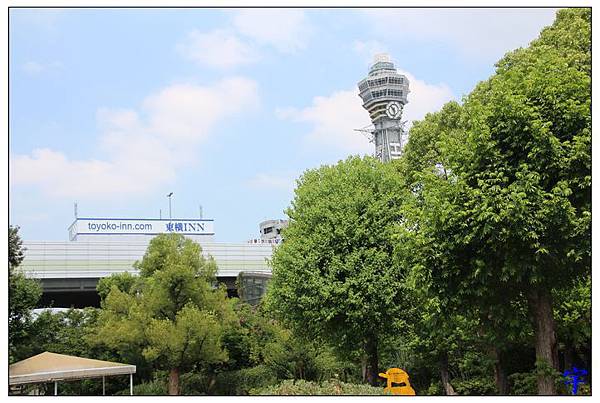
(384, 94)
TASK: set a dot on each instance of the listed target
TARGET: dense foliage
(23, 295)
(15, 248)
(334, 277)
(170, 314)
(502, 188)
(304, 388)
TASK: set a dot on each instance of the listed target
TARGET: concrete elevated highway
(69, 271)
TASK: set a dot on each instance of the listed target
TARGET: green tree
(440, 333)
(15, 247)
(23, 294)
(263, 352)
(172, 315)
(334, 277)
(123, 281)
(573, 313)
(506, 211)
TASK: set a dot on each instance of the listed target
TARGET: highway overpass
(69, 271)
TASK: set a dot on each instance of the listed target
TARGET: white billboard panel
(148, 226)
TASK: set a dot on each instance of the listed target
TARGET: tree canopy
(23, 294)
(171, 315)
(502, 204)
(334, 275)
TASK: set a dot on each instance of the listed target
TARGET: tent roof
(50, 367)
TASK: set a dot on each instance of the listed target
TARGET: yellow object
(397, 382)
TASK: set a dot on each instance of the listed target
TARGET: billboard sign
(148, 226)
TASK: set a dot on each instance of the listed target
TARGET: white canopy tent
(52, 367)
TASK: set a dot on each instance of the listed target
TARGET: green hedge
(242, 381)
(303, 388)
(476, 386)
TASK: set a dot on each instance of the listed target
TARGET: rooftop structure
(271, 229)
(139, 230)
(270, 232)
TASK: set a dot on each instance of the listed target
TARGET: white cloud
(367, 49)
(188, 111)
(424, 98)
(273, 182)
(141, 149)
(285, 30)
(40, 19)
(334, 117)
(217, 49)
(478, 33)
(57, 175)
(34, 68)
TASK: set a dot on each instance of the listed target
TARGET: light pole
(169, 196)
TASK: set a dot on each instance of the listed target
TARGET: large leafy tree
(505, 212)
(23, 293)
(440, 329)
(334, 276)
(172, 315)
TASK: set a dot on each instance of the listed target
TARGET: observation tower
(384, 94)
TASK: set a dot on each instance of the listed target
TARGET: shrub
(434, 389)
(240, 382)
(152, 388)
(476, 386)
(304, 388)
(523, 383)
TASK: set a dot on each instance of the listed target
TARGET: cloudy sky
(115, 108)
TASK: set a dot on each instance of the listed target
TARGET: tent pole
(55, 388)
(131, 384)
(103, 387)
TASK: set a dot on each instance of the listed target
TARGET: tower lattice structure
(384, 93)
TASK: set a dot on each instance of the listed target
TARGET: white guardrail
(52, 259)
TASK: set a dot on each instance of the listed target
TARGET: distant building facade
(270, 232)
(271, 229)
(99, 247)
(252, 286)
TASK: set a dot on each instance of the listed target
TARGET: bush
(240, 382)
(434, 389)
(584, 390)
(476, 386)
(304, 388)
(152, 388)
(193, 384)
(523, 383)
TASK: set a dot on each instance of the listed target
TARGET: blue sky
(115, 108)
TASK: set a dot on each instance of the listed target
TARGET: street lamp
(169, 196)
